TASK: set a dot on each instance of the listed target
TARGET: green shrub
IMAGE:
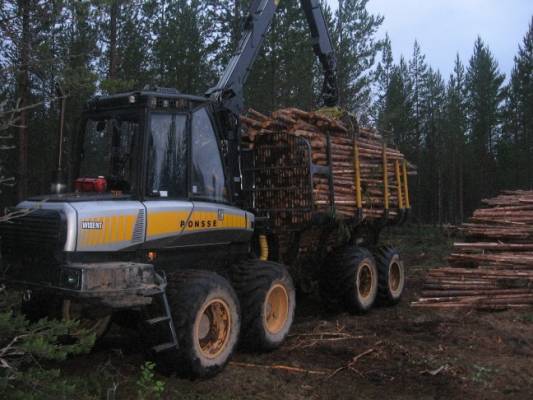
(27, 350)
(148, 387)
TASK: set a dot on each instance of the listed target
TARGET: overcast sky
(446, 27)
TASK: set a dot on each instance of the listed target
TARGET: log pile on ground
(343, 136)
(493, 269)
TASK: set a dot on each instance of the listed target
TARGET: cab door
(166, 199)
(213, 220)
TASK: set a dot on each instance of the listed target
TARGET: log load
(367, 176)
(493, 267)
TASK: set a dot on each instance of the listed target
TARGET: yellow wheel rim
(365, 281)
(213, 328)
(395, 277)
(276, 308)
(72, 310)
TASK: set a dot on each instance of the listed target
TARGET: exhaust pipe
(59, 185)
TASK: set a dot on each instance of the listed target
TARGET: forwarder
(155, 222)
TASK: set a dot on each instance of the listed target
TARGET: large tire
(391, 275)
(350, 279)
(206, 315)
(267, 297)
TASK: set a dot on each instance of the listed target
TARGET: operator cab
(150, 145)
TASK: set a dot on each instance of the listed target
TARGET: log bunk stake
(493, 269)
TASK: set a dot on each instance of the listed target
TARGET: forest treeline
(470, 134)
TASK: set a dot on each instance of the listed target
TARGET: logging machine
(160, 225)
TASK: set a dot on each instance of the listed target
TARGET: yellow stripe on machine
(165, 222)
(114, 229)
(175, 222)
(207, 220)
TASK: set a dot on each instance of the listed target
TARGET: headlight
(70, 278)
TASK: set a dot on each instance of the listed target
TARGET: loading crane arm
(323, 48)
(229, 90)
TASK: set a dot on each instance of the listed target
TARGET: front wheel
(92, 319)
(267, 297)
(206, 316)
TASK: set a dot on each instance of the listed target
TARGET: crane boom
(323, 48)
(229, 90)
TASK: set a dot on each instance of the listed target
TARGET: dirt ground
(392, 353)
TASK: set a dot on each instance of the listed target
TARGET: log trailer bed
(322, 184)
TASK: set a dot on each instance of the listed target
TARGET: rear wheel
(267, 297)
(206, 316)
(391, 275)
(350, 278)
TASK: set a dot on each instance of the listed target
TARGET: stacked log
(343, 137)
(493, 269)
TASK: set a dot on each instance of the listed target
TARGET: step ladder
(161, 323)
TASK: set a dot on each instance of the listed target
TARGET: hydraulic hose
(263, 248)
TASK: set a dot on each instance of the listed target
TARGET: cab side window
(208, 181)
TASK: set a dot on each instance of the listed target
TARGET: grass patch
(420, 245)
(526, 318)
(482, 375)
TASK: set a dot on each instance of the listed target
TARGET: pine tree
(384, 71)
(181, 50)
(284, 71)
(125, 34)
(394, 118)
(456, 126)
(516, 149)
(356, 49)
(77, 47)
(432, 164)
(227, 18)
(28, 31)
(484, 96)
(417, 74)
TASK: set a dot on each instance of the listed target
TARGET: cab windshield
(108, 151)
